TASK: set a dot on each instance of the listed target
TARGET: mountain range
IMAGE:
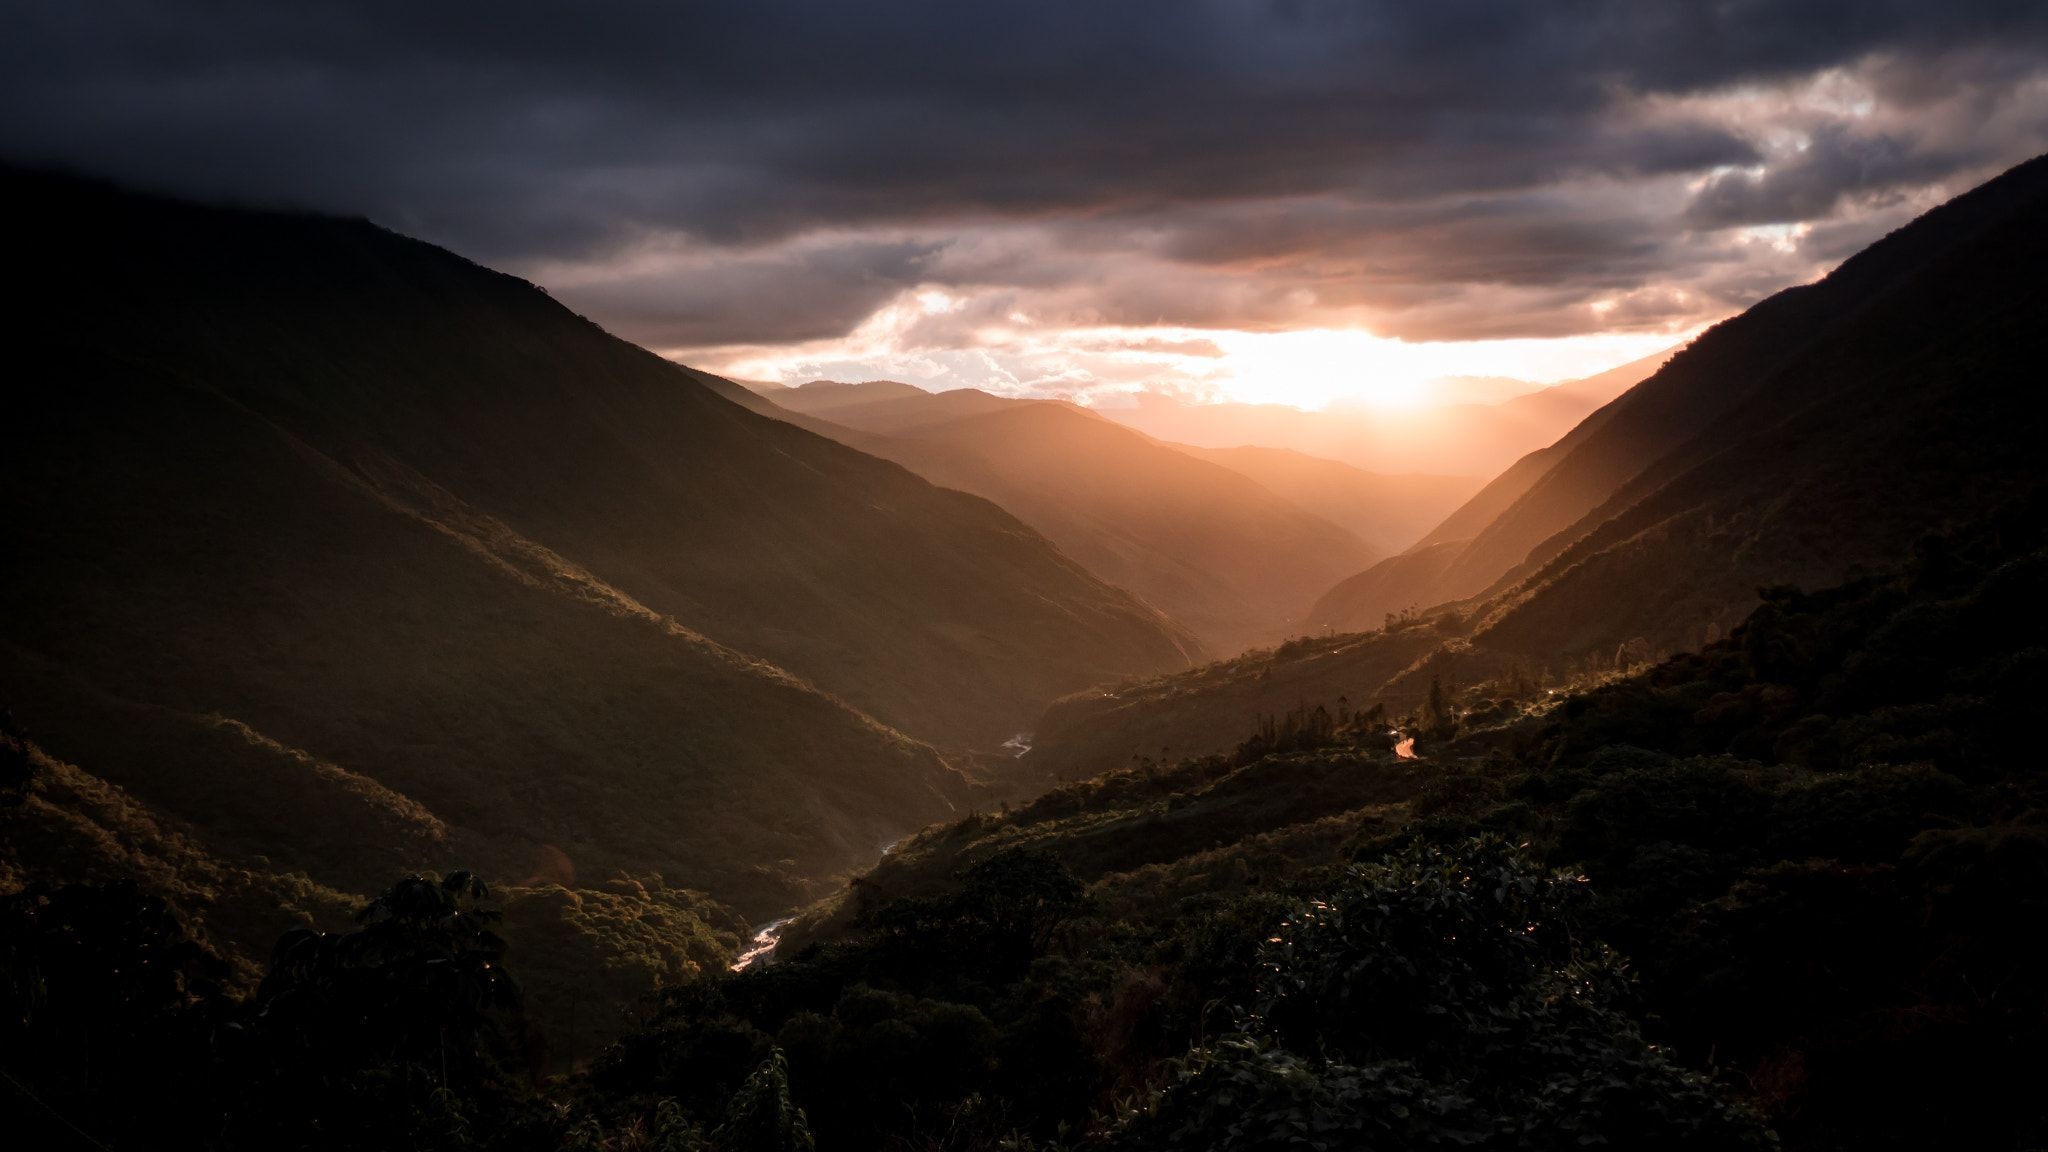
(347, 554)
(1476, 437)
(374, 628)
(1824, 430)
(1233, 544)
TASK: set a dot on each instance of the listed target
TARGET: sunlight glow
(1311, 368)
(1324, 368)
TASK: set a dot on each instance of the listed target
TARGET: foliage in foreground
(1439, 998)
(1818, 844)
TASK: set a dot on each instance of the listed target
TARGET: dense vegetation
(353, 555)
(1783, 891)
(295, 617)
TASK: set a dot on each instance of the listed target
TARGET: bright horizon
(1481, 597)
(1308, 205)
(1312, 369)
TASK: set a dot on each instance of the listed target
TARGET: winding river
(768, 935)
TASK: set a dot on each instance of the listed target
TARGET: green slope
(300, 509)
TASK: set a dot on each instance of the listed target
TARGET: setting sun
(1308, 368)
(1352, 368)
(792, 576)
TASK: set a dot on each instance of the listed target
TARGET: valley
(429, 719)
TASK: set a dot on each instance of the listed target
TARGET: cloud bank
(743, 182)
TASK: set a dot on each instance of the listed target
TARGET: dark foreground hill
(1215, 549)
(1781, 893)
(1826, 428)
(1820, 844)
(341, 551)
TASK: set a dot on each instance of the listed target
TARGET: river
(766, 937)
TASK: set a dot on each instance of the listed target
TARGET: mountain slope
(1913, 402)
(1458, 439)
(886, 407)
(1830, 426)
(1214, 549)
(1745, 373)
(300, 508)
(1417, 578)
(1388, 512)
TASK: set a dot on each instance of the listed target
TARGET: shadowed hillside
(325, 541)
(1234, 561)
(1811, 841)
(1826, 428)
(1906, 397)
(1793, 388)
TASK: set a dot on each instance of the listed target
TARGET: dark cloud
(1835, 165)
(764, 298)
(1402, 156)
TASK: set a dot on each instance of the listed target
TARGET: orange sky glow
(1309, 368)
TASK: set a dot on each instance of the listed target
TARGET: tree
(1439, 718)
(17, 772)
(762, 1117)
(106, 1001)
(411, 1021)
(1443, 997)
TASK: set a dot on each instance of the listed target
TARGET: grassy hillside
(1827, 428)
(1790, 363)
(588, 955)
(1211, 708)
(1910, 402)
(1776, 894)
(1398, 585)
(1813, 843)
(1779, 892)
(1233, 560)
(351, 554)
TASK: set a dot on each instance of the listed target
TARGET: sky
(1302, 201)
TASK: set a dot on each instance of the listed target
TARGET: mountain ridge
(410, 521)
(1207, 545)
(1767, 452)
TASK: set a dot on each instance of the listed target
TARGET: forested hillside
(332, 555)
(1774, 894)
(1894, 397)
(1258, 576)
